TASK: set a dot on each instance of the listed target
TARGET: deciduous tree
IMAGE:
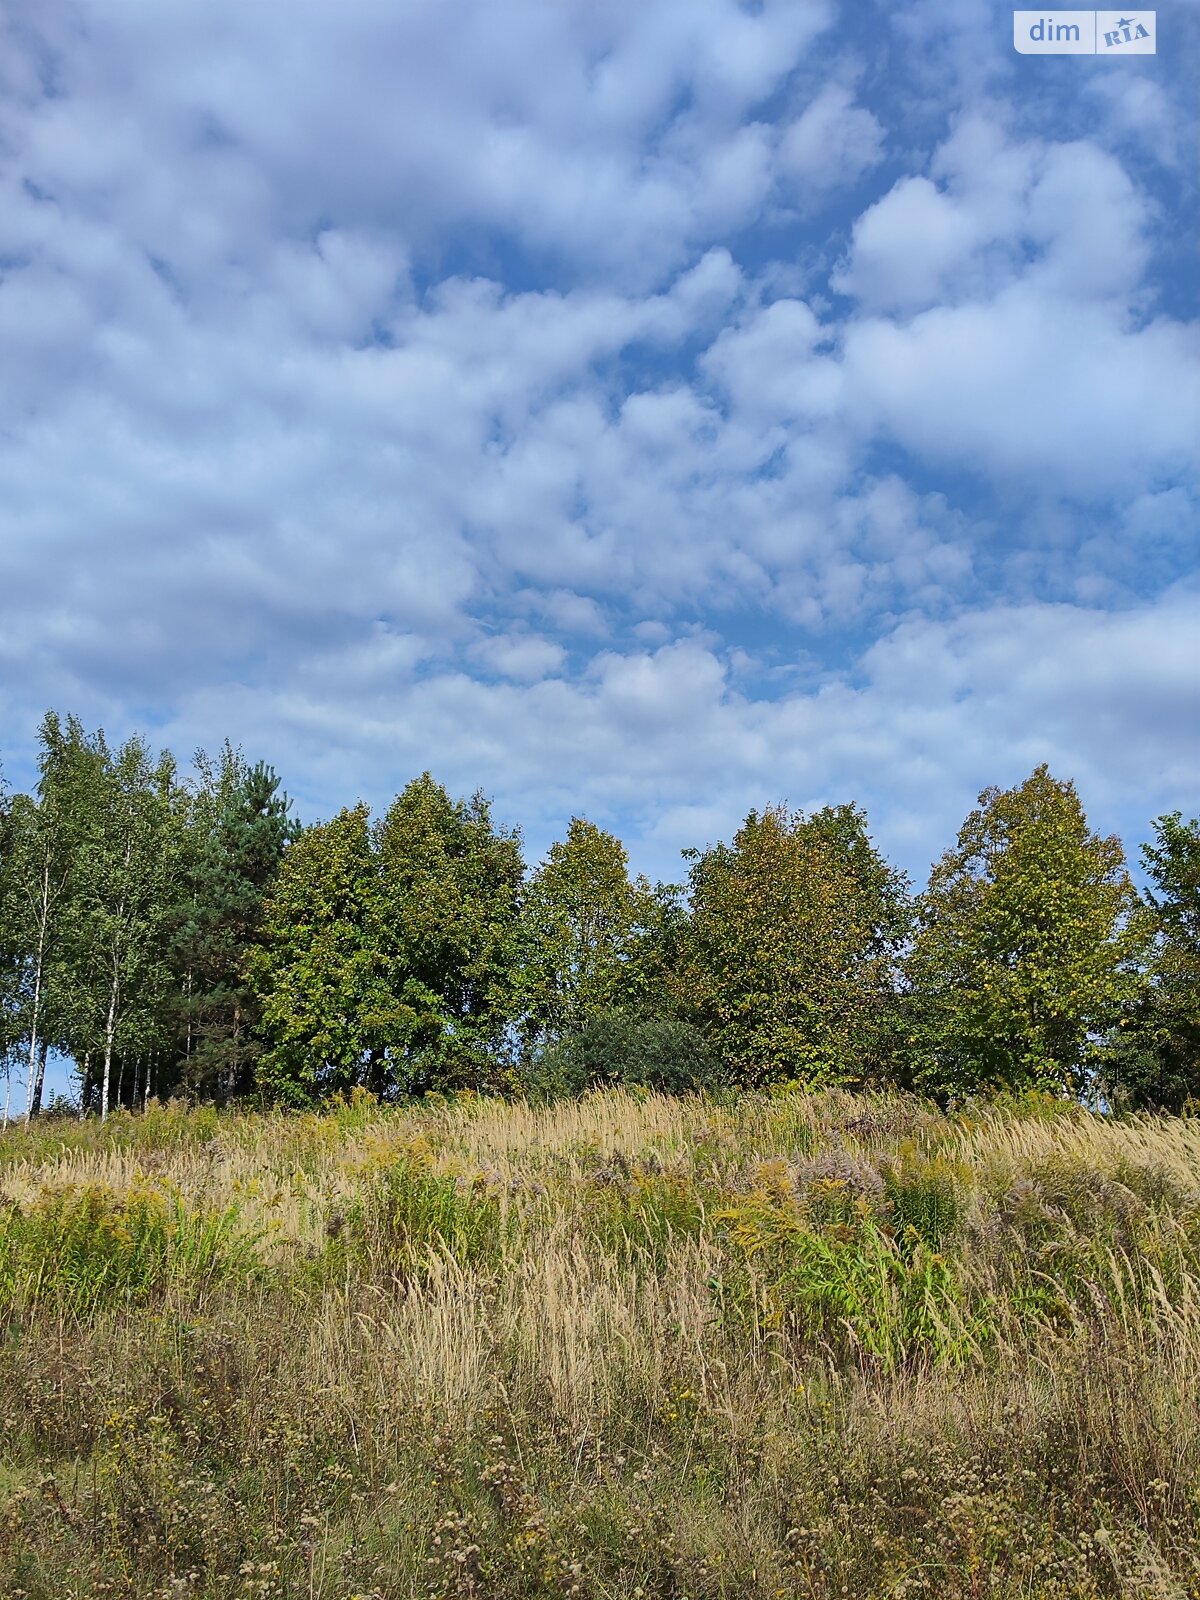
(582, 919)
(1028, 947)
(317, 969)
(787, 957)
(116, 973)
(451, 883)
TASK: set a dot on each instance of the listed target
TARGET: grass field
(772, 1346)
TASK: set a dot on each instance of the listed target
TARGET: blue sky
(640, 410)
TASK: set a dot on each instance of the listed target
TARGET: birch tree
(126, 865)
(42, 836)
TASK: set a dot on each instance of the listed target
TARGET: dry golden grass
(803, 1345)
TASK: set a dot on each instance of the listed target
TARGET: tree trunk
(377, 1071)
(85, 1085)
(36, 1016)
(41, 1077)
(231, 1075)
(110, 1029)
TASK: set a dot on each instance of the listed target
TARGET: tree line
(179, 934)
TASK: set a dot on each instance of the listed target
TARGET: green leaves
(318, 971)
(1028, 946)
(388, 952)
(123, 877)
(786, 959)
(234, 836)
(582, 921)
(183, 935)
(451, 884)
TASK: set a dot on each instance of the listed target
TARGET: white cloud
(526, 658)
(832, 144)
(664, 739)
(1051, 394)
(458, 385)
(1064, 216)
(618, 137)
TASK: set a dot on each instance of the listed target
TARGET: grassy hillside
(801, 1345)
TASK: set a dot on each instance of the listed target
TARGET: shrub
(83, 1248)
(620, 1049)
(409, 1211)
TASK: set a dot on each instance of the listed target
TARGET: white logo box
(1084, 33)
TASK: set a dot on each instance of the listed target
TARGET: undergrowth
(790, 1345)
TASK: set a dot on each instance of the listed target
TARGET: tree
(388, 953)
(10, 954)
(787, 957)
(1156, 1051)
(41, 856)
(582, 920)
(318, 969)
(451, 884)
(237, 834)
(623, 1047)
(1027, 949)
(116, 976)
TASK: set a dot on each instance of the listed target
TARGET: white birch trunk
(36, 1017)
(110, 1029)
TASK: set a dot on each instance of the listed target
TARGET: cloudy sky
(638, 409)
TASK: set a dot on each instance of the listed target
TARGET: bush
(81, 1248)
(410, 1213)
(619, 1049)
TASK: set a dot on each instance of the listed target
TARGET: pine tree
(1155, 1057)
(237, 836)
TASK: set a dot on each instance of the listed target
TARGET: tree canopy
(1028, 947)
(1156, 1055)
(787, 953)
(178, 933)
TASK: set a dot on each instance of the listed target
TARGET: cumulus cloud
(832, 143)
(617, 137)
(1063, 216)
(667, 739)
(470, 387)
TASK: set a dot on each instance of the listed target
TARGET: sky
(639, 410)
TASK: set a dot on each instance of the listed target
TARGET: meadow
(762, 1345)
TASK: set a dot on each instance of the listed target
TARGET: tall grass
(795, 1345)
